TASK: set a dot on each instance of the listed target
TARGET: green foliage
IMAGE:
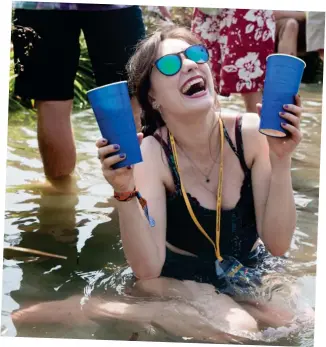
(180, 16)
(84, 80)
(14, 103)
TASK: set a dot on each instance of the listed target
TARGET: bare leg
(183, 308)
(212, 317)
(65, 312)
(55, 138)
(174, 316)
(289, 39)
(251, 99)
(223, 314)
(274, 313)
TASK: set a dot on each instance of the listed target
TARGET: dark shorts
(47, 51)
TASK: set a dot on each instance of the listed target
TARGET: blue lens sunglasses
(170, 64)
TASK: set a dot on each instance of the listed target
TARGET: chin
(200, 105)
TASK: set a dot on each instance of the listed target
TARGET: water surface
(84, 226)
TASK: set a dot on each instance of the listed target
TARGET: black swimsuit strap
(238, 150)
(169, 156)
(238, 138)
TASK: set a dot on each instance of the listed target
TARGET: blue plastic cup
(113, 113)
(283, 77)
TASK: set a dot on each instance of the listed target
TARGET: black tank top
(238, 231)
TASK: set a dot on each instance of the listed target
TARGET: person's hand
(284, 147)
(122, 180)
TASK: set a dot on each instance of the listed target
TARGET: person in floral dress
(239, 42)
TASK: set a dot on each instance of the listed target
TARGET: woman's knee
(239, 319)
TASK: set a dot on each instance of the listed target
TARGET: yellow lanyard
(219, 195)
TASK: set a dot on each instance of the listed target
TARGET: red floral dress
(239, 42)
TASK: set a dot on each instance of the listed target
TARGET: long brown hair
(139, 69)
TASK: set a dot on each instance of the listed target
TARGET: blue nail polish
(286, 106)
(122, 155)
(116, 147)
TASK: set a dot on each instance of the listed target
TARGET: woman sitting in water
(218, 192)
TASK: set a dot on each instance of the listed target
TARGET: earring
(155, 105)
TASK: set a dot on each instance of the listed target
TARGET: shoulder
(150, 148)
(249, 120)
(154, 157)
(250, 126)
(151, 145)
(149, 169)
(255, 143)
(149, 142)
(249, 123)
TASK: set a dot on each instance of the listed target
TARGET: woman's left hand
(283, 147)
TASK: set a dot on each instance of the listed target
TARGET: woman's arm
(143, 245)
(272, 189)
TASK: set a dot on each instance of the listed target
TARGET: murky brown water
(84, 226)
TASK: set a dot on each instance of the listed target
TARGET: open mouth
(194, 87)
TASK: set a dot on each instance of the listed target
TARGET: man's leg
(250, 100)
(46, 74)
(288, 36)
(55, 138)
(111, 38)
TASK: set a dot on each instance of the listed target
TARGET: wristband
(127, 196)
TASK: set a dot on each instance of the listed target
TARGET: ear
(150, 98)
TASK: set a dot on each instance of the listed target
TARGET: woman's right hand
(122, 180)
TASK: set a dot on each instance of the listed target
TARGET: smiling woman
(225, 232)
(213, 184)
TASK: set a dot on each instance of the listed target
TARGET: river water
(83, 225)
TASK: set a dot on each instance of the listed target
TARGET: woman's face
(173, 93)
